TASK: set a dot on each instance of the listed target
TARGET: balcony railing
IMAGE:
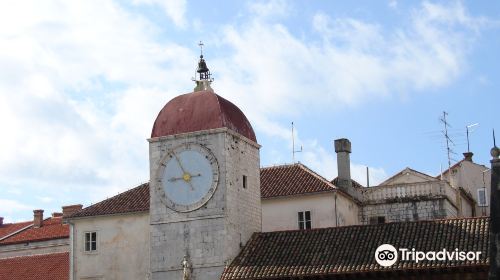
(406, 191)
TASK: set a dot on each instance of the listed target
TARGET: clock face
(188, 176)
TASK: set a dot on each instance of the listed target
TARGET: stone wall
(212, 235)
(414, 210)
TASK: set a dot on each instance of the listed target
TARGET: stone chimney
(71, 209)
(1, 221)
(38, 218)
(343, 149)
(468, 156)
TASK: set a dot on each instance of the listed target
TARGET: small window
(91, 241)
(304, 219)
(244, 181)
(377, 220)
(481, 197)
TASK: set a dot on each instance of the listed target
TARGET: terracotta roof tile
(291, 179)
(134, 200)
(37, 267)
(7, 229)
(52, 228)
(350, 250)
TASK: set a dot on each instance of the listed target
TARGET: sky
(81, 83)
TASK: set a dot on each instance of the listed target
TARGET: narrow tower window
(244, 181)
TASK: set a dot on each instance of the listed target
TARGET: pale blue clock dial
(189, 177)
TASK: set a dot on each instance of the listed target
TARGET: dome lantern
(203, 77)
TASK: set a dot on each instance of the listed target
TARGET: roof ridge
(401, 172)
(316, 175)
(279, 165)
(16, 232)
(114, 196)
(435, 221)
(34, 255)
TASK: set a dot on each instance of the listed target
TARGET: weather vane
(201, 48)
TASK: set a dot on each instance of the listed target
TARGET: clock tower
(204, 184)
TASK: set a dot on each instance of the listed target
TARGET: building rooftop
(291, 179)
(52, 228)
(36, 267)
(8, 229)
(350, 250)
(133, 200)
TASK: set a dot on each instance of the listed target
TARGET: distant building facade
(37, 249)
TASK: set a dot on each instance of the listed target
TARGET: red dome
(200, 110)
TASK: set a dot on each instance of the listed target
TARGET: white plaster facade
(280, 213)
(122, 247)
(472, 177)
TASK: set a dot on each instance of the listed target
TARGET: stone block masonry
(212, 235)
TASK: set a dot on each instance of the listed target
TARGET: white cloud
(81, 82)
(273, 73)
(174, 9)
(45, 199)
(8, 206)
(393, 4)
(268, 9)
(80, 85)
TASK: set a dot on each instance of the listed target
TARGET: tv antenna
(448, 141)
(293, 145)
(467, 129)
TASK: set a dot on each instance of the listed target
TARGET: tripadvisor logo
(387, 255)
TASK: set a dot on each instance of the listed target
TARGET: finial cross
(201, 47)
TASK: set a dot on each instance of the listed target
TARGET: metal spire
(203, 77)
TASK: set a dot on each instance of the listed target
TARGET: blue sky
(81, 83)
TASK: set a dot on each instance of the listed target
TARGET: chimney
(468, 156)
(71, 209)
(343, 149)
(1, 221)
(57, 214)
(38, 218)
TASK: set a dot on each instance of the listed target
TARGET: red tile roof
(52, 228)
(133, 200)
(37, 267)
(293, 179)
(351, 249)
(7, 229)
